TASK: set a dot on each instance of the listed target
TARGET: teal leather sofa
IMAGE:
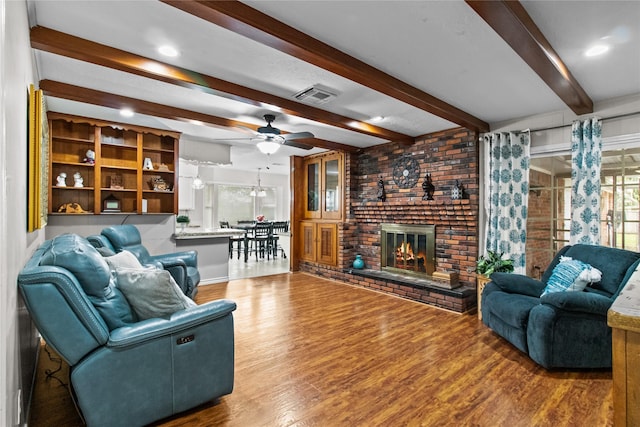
(562, 329)
(124, 371)
(183, 266)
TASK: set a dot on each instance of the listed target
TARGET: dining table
(248, 229)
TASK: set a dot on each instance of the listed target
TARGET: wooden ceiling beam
(511, 21)
(53, 41)
(95, 97)
(242, 19)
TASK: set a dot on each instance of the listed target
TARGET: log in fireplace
(409, 249)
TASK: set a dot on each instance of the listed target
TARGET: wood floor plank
(313, 352)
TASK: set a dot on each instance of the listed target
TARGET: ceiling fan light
(268, 146)
(253, 192)
(262, 193)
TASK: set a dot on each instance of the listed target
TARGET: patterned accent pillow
(571, 275)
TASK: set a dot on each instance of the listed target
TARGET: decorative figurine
(71, 208)
(457, 192)
(78, 181)
(381, 194)
(163, 168)
(116, 182)
(428, 188)
(90, 157)
(159, 184)
(147, 165)
(61, 180)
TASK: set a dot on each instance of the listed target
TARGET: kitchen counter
(212, 246)
(205, 233)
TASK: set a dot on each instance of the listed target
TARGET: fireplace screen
(408, 248)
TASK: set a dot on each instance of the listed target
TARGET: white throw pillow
(124, 259)
(151, 292)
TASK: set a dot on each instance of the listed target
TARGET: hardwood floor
(312, 352)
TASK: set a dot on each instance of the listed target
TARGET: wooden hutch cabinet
(118, 179)
(323, 201)
(319, 242)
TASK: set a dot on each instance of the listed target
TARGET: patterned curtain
(586, 158)
(508, 195)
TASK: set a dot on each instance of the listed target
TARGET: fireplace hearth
(408, 249)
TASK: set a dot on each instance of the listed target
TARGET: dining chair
(237, 240)
(261, 239)
(279, 227)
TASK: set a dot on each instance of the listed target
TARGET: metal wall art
(382, 196)
(457, 192)
(428, 187)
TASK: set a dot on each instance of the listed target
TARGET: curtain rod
(619, 116)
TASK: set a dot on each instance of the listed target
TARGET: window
(235, 203)
(550, 205)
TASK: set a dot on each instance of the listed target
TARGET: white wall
(16, 245)
(156, 230)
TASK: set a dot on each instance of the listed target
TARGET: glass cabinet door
(332, 186)
(323, 187)
(312, 178)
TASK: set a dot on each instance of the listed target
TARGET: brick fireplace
(449, 156)
(408, 249)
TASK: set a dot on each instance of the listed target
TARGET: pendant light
(197, 183)
(259, 192)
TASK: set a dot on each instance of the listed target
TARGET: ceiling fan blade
(246, 130)
(297, 144)
(297, 135)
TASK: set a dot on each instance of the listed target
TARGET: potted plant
(485, 266)
(183, 220)
(492, 263)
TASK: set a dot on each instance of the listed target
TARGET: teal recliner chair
(562, 329)
(183, 266)
(124, 372)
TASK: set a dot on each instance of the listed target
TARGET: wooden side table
(481, 283)
(624, 319)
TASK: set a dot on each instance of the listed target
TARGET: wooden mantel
(624, 319)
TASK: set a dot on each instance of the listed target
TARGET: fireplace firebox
(408, 249)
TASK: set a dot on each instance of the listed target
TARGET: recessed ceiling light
(196, 122)
(376, 119)
(596, 50)
(169, 51)
(126, 112)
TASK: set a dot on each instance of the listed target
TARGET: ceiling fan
(271, 139)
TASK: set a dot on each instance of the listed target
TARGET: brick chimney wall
(448, 156)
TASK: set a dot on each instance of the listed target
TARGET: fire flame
(405, 252)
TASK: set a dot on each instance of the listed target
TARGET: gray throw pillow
(151, 292)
